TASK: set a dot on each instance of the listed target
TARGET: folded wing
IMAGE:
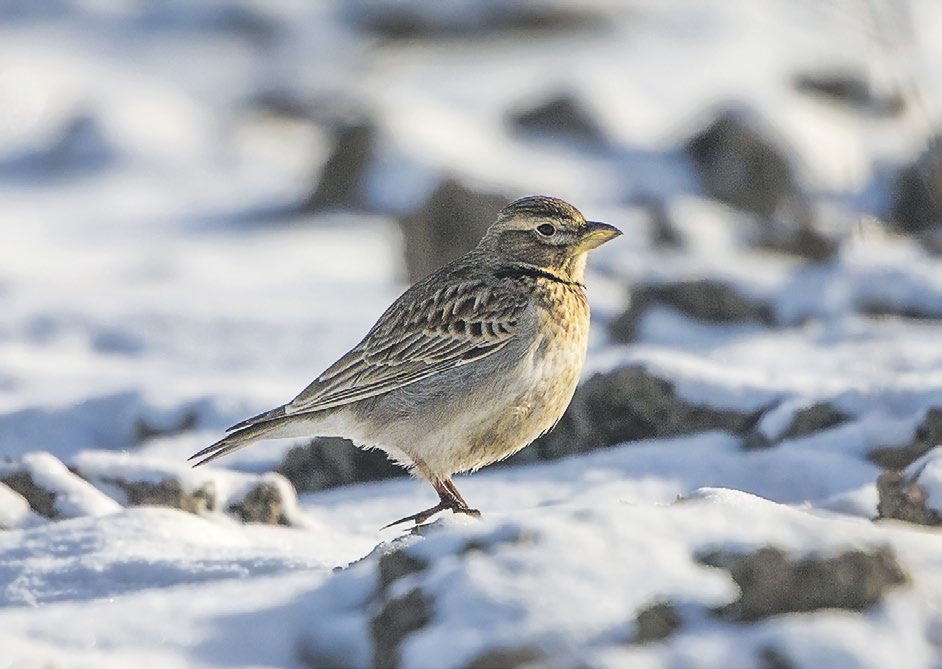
(416, 339)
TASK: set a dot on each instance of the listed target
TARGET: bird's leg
(465, 507)
(449, 498)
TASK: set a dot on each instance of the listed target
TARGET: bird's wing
(419, 336)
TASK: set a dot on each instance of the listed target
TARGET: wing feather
(417, 338)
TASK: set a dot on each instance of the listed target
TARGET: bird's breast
(558, 355)
(537, 394)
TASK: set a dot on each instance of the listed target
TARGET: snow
(73, 496)
(156, 286)
(14, 510)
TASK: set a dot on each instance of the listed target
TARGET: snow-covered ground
(157, 284)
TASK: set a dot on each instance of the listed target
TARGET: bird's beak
(597, 234)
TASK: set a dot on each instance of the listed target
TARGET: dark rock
(820, 416)
(703, 299)
(280, 104)
(931, 240)
(850, 89)
(562, 115)
(881, 308)
(145, 429)
(450, 223)
(510, 535)
(327, 462)
(509, 658)
(773, 658)
(312, 657)
(40, 500)
(397, 618)
(815, 418)
(627, 404)
(657, 622)
(917, 193)
(341, 180)
(903, 498)
(801, 240)
(396, 564)
(413, 21)
(928, 436)
(772, 583)
(739, 166)
(401, 542)
(664, 231)
(168, 493)
(263, 504)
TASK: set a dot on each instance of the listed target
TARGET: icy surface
(158, 284)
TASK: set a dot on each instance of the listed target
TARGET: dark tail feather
(277, 412)
(236, 440)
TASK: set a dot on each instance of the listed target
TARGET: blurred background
(203, 204)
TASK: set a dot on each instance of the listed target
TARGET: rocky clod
(448, 225)
(772, 583)
(420, 21)
(328, 462)
(40, 500)
(657, 622)
(560, 116)
(396, 619)
(904, 498)
(170, 493)
(262, 504)
(852, 90)
(928, 435)
(628, 404)
(737, 164)
(707, 300)
(522, 657)
(917, 193)
(341, 180)
(806, 421)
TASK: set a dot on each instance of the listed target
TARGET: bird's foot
(474, 513)
(422, 516)
(419, 517)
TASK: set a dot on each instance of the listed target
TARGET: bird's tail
(268, 429)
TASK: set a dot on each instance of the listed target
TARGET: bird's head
(548, 233)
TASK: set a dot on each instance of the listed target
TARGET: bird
(468, 366)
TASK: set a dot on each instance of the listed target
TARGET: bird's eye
(546, 230)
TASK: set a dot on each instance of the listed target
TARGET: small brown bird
(468, 366)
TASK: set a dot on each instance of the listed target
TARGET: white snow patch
(73, 496)
(14, 510)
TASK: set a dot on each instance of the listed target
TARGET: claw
(419, 517)
(422, 516)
